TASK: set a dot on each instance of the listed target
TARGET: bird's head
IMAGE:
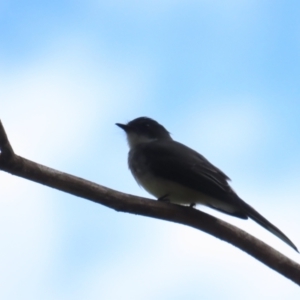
(144, 130)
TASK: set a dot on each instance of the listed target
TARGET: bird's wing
(174, 161)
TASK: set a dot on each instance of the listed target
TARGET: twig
(19, 166)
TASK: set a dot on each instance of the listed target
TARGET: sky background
(221, 76)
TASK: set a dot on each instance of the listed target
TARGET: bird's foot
(192, 205)
(164, 198)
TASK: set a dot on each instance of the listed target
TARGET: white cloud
(50, 105)
(27, 236)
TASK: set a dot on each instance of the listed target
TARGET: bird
(173, 172)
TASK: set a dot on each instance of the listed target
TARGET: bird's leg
(192, 205)
(164, 198)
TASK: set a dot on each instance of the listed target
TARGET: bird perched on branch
(173, 172)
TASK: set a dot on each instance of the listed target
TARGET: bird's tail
(258, 218)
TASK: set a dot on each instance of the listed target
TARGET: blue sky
(221, 76)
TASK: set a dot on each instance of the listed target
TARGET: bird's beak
(123, 126)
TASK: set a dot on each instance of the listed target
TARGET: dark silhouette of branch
(19, 166)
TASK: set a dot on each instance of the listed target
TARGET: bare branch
(22, 167)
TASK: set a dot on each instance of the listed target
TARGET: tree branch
(19, 166)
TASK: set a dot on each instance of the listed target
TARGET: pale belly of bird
(179, 194)
(173, 191)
